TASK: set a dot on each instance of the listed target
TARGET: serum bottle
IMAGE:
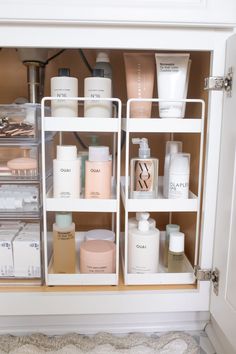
(64, 250)
(66, 173)
(176, 253)
(169, 228)
(64, 86)
(143, 248)
(143, 172)
(98, 172)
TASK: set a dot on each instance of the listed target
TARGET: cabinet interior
(13, 84)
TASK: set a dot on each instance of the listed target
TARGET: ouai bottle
(143, 172)
(64, 250)
(176, 252)
(143, 247)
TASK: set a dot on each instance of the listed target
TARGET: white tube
(172, 71)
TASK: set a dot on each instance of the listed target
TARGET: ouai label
(144, 175)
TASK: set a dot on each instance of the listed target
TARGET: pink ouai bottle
(98, 173)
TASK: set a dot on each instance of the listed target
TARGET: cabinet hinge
(207, 275)
(220, 83)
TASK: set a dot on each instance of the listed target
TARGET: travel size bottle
(179, 170)
(143, 248)
(103, 62)
(172, 147)
(133, 222)
(143, 172)
(169, 228)
(64, 86)
(66, 173)
(64, 249)
(176, 253)
(97, 86)
(98, 172)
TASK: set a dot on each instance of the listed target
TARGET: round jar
(100, 234)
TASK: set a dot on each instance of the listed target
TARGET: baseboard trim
(112, 323)
(218, 339)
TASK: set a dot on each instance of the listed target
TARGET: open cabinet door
(223, 305)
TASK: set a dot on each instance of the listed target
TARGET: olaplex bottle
(64, 248)
(169, 228)
(143, 248)
(179, 171)
(66, 173)
(176, 253)
(172, 147)
(63, 86)
(143, 172)
(133, 222)
(97, 86)
(98, 172)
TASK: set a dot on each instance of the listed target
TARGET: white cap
(99, 153)
(173, 147)
(143, 224)
(102, 57)
(180, 163)
(66, 152)
(100, 234)
(176, 242)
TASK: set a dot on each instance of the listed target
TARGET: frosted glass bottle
(169, 228)
(64, 86)
(176, 253)
(143, 248)
(172, 147)
(178, 187)
(64, 249)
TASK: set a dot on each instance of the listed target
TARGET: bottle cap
(63, 72)
(180, 163)
(100, 234)
(144, 150)
(99, 153)
(142, 216)
(98, 73)
(171, 228)
(143, 224)
(63, 220)
(102, 57)
(173, 147)
(66, 152)
(176, 242)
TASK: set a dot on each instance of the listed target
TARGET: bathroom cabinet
(206, 30)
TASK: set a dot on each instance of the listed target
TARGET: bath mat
(101, 343)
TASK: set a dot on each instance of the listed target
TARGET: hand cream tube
(140, 68)
(172, 71)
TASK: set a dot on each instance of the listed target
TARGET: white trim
(218, 338)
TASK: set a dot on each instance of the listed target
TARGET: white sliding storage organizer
(81, 124)
(161, 204)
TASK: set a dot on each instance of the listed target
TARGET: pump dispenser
(133, 222)
(143, 172)
(143, 247)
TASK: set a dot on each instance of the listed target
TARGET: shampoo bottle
(172, 147)
(97, 86)
(98, 171)
(133, 222)
(169, 228)
(66, 173)
(143, 172)
(178, 186)
(64, 250)
(143, 248)
(176, 253)
(64, 86)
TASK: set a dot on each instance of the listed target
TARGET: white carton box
(26, 254)
(6, 254)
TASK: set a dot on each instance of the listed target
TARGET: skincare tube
(139, 68)
(172, 76)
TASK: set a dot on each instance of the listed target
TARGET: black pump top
(98, 73)
(63, 72)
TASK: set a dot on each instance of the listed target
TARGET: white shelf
(160, 204)
(162, 277)
(159, 125)
(80, 205)
(77, 124)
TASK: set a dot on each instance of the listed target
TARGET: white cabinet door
(200, 12)
(223, 306)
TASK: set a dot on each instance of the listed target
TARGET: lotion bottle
(172, 147)
(97, 86)
(66, 173)
(178, 186)
(98, 172)
(133, 222)
(64, 86)
(143, 172)
(143, 248)
(64, 249)
(169, 228)
(176, 253)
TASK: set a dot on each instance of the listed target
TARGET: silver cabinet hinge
(207, 275)
(219, 83)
